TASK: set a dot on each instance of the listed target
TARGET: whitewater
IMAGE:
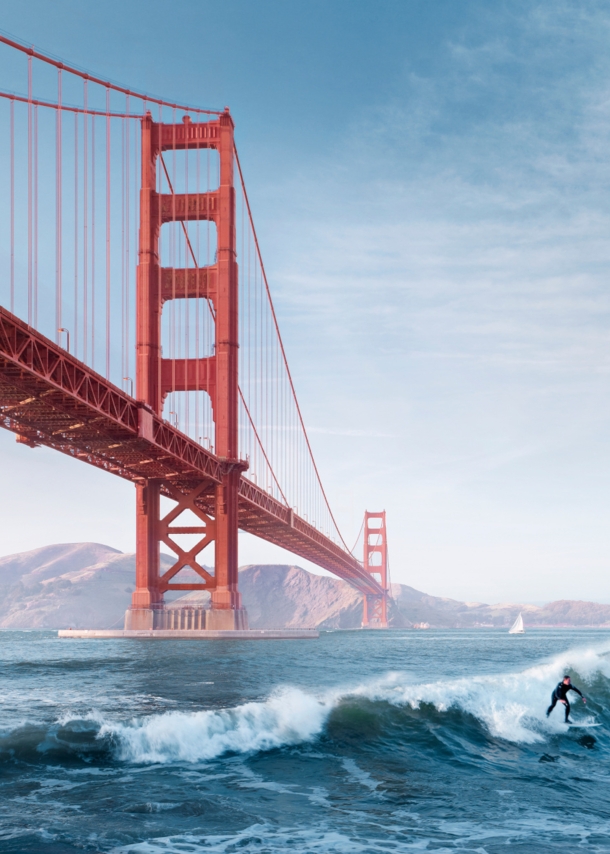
(366, 742)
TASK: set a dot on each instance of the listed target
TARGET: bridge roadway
(49, 397)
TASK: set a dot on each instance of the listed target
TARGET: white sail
(517, 627)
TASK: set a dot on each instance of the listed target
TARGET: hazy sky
(430, 184)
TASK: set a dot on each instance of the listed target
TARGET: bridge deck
(48, 397)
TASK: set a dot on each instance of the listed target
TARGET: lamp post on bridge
(67, 331)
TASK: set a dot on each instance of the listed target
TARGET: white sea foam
(511, 706)
(262, 838)
(408, 836)
(288, 717)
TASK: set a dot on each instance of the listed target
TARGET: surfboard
(583, 725)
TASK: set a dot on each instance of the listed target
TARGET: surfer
(561, 693)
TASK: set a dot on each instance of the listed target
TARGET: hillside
(89, 585)
(72, 584)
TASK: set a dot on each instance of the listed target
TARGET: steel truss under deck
(49, 397)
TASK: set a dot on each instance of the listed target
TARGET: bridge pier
(147, 594)
(226, 611)
(186, 619)
(147, 610)
(146, 598)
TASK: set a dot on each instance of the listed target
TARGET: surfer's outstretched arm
(574, 688)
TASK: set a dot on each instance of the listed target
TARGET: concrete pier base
(139, 618)
(190, 618)
(191, 634)
(226, 619)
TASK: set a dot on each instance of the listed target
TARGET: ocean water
(357, 742)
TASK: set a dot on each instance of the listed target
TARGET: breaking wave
(288, 717)
(509, 706)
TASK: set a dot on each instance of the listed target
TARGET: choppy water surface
(357, 742)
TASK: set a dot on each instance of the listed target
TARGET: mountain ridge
(89, 585)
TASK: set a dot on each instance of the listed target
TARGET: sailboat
(517, 627)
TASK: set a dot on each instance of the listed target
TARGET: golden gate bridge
(138, 334)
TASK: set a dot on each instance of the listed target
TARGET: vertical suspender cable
(30, 189)
(265, 384)
(58, 199)
(186, 302)
(198, 395)
(85, 227)
(241, 315)
(159, 185)
(173, 266)
(249, 336)
(124, 366)
(299, 414)
(210, 425)
(35, 218)
(258, 363)
(92, 241)
(12, 205)
(127, 237)
(107, 233)
(75, 332)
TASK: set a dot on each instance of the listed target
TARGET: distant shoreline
(89, 586)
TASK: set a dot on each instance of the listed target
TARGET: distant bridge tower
(375, 608)
(156, 377)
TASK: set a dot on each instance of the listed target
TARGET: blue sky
(430, 185)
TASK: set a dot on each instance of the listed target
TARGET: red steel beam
(48, 397)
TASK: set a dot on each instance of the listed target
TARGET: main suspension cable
(281, 343)
(31, 52)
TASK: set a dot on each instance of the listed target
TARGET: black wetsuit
(560, 693)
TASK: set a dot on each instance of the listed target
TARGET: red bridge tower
(375, 607)
(217, 375)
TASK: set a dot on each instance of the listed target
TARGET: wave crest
(288, 717)
(509, 706)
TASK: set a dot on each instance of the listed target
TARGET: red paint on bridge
(50, 397)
